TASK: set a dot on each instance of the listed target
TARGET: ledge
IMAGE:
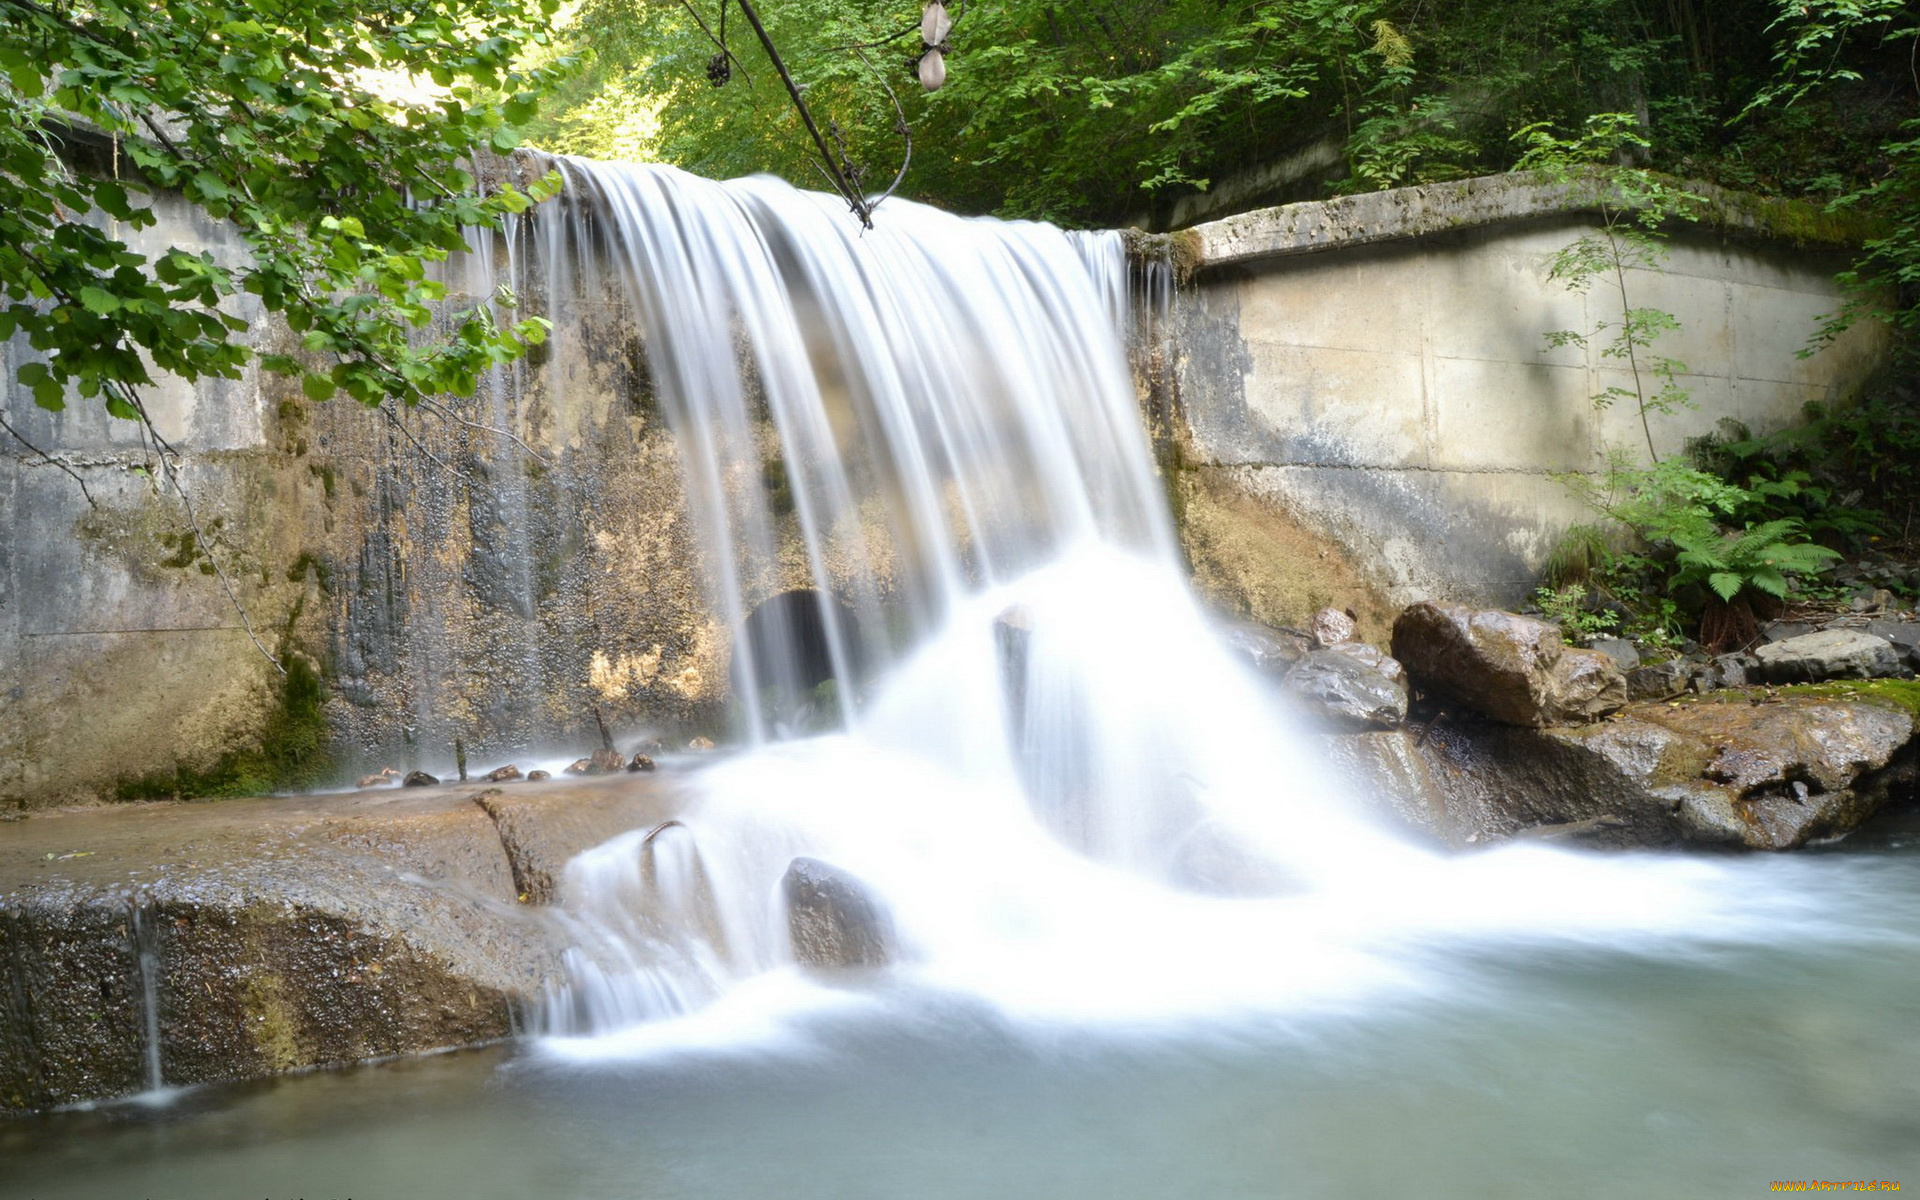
(1407, 213)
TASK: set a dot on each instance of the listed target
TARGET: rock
(419, 779)
(1512, 668)
(1331, 627)
(1350, 685)
(832, 918)
(1759, 776)
(380, 778)
(640, 763)
(1215, 861)
(537, 776)
(315, 930)
(1735, 670)
(503, 774)
(1624, 653)
(606, 762)
(1657, 681)
(1828, 654)
(1266, 649)
(579, 766)
(1904, 634)
(701, 744)
(1780, 631)
(1875, 600)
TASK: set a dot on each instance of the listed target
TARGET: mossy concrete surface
(262, 935)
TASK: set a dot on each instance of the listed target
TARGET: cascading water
(1046, 755)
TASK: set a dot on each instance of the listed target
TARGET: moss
(292, 754)
(272, 1023)
(1896, 693)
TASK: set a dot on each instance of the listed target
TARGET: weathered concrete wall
(1376, 369)
(446, 579)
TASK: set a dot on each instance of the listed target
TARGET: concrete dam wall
(1376, 368)
(1364, 409)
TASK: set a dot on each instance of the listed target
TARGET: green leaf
(1726, 584)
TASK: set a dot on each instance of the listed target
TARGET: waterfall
(1022, 734)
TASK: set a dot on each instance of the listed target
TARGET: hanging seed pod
(933, 70)
(935, 24)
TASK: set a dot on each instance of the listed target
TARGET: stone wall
(1375, 369)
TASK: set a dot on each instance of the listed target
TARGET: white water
(960, 433)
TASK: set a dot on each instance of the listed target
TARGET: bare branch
(168, 458)
(447, 414)
(51, 461)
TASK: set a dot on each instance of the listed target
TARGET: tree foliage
(281, 119)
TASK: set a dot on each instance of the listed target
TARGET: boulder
(640, 763)
(1514, 669)
(1350, 686)
(1658, 681)
(380, 778)
(701, 744)
(579, 766)
(419, 779)
(1828, 654)
(1331, 627)
(833, 919)
(1719, 770)
(1624, 653)
(539, 776)
(503, 774)
(606, 762)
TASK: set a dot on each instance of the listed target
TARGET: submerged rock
(380, 778)
(701, 744)
(419, 779)
(606, 762)
(833, 919)
(1511, 668)
(538, 776)
(1350, 685)
(1828, 654)
(640, 763)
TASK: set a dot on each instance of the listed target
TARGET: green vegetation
(1679, 542)
(292, 753)
(336, 138)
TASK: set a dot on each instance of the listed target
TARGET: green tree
(283, 121)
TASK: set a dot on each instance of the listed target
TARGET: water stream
(1033, 743)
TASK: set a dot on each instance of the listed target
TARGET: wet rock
(1828, 654)
(833, 919)
(1734, 671)
(538, 776)
(1780, 631)
(309, 931)
(419, 779)
(503, 774)
(640, 763)
(579, 766)
(1763, 777)
(1268, 650)
(380, 778)
(701, 744)
(1351, 686)
(1624, 653)
(1331, 627)
(1514, 669)
(606, 762)
(1215, 861)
